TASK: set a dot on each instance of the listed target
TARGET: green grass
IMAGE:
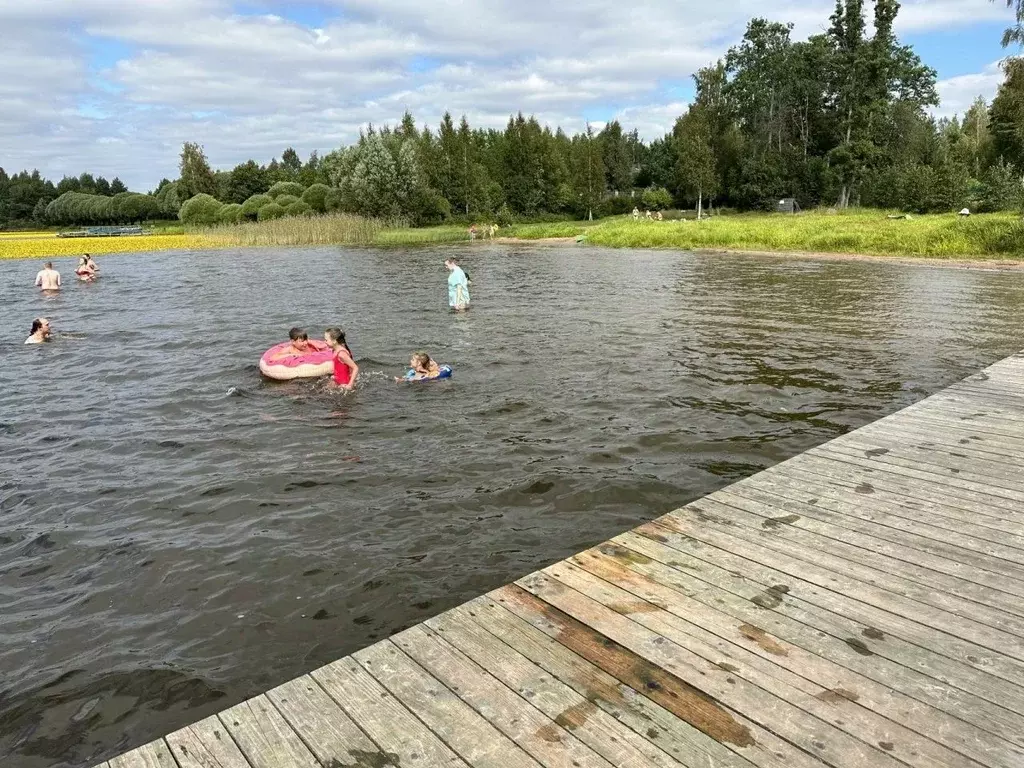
(421, 235)
(864, 231)
(546, 230)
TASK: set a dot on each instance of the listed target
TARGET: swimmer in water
(299, 345)
(345, 368)
(85, 270)
(421, 367)
(48, 278)
(40, 331)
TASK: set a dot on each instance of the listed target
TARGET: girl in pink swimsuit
(345, 368)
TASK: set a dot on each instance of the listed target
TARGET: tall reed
(333, 229)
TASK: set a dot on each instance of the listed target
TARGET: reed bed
(421, 235)
(338, 229)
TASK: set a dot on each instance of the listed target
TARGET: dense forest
(840, 119)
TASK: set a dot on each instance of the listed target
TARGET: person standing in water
(48, 278)
(458, 286)
(85, 270)
(40, 331)
(345, 368)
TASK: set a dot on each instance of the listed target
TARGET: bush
(201, 210)
(615, 206)
(285, 200)
(286, 188)
(298, 208)
(230, 214)
(252, 206)
(269, 212)
(316, 197)
(333, 200)
(656, 199)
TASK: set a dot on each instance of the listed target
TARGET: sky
(114, 87)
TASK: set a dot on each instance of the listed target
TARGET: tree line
(839, 119)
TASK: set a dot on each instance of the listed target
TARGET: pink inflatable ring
(318, 361)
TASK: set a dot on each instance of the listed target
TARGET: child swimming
(421, 368)
(345, 368)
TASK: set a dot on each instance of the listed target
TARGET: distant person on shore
(636, 213)
(421, 366)
(40, 331)
(458, 286)
(345, 368)
(85, 271)
(299, 344)
(493, 229)
(48, 278)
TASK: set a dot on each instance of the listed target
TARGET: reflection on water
(176, 534)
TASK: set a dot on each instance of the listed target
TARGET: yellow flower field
(37, 247)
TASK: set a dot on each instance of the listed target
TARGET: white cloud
(958, 93)
(248, 85)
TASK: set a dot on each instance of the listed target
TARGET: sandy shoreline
(937, 261)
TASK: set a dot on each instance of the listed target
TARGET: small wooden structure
(858, 606)
(104, 232)
(787, 205)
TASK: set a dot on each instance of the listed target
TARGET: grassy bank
(989, 236)
(866, 232)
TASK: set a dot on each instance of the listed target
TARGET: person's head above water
(40, 324)
(336, 336)
(451, 263)
(300, 339)
(49, 265)
(420, 360)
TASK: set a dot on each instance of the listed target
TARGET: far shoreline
(953, 262)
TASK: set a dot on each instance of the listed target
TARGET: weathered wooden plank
(884, 451)
(767, 671)
(922, 567)
(925, 622)
(265, 738)
(391, 726)
(826, 557)
(857, 622)
(896, 506)
(583, 717)
(472, 737)
(544, 739)
(329, 733)
(816, 737)
(206, 744)
(153, 755)
(1004, 484)
(951, 445)
(732, 729)
(904, 668)
(644, 716)
(889, 518)
(825, 689)
(948, 493)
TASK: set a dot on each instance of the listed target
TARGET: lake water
(177, 534)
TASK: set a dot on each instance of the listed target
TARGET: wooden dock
(858, 606)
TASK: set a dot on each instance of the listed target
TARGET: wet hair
(49, 265)
(37, 324)
(422, 358)
(297, 334)
(339, 336)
